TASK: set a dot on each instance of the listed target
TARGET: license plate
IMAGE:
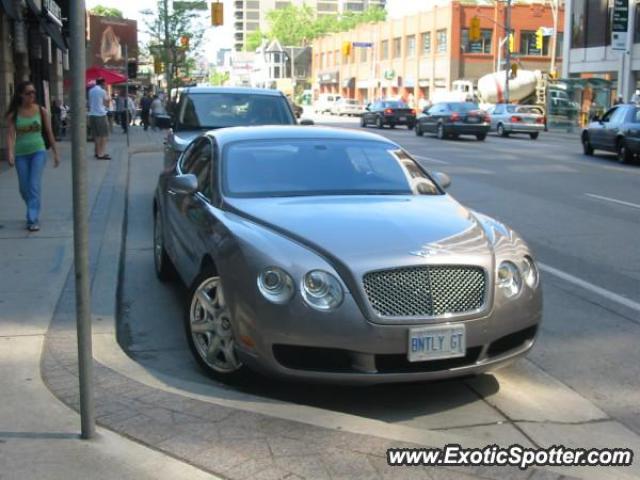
(529, 120)
(473, 119)
(402, 118)
(434, 343)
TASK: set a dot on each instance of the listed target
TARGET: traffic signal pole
(507, 69)
(81, 217)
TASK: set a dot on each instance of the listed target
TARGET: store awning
(54, 32)
(9, 9)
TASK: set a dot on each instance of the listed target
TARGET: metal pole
(508, 53)
(554, 37)
(81, 218)
(126, 92)
(169, 66)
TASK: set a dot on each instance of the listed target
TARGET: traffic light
(217, 14)
(346, 49)
(184, 41)
(132, 69)
(157, 65)
(474, 30)
(511, 42)
(539, 39)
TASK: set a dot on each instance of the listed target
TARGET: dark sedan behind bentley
(200, 109)
(450, 119)
(388, 112)
(617, 131)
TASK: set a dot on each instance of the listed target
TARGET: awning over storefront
(9, 9)
(54, 33)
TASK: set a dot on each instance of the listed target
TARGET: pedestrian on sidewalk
(29, 135)
(98, 103)
(145, 107)
(157, 109)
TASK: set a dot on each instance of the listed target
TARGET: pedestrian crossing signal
(346, 49)
(511, 43)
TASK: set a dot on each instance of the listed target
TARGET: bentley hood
(368, 232)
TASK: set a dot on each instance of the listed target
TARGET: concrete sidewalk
(39, 434)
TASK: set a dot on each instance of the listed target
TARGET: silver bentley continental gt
(326, 254)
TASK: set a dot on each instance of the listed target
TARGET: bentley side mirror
(307, 121)
(183, 184)
(443, 179)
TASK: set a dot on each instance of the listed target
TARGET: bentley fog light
(509, 279)
(530, 272)
(321, 290)
(275, 285)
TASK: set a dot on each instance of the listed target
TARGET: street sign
(620, 25)
(363, 44)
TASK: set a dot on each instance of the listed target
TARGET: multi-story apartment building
(425, 52)
(251, 15)
(590, 53)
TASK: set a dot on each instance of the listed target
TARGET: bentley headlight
(509, 279)
(321, 290)
(530, 272)
(276, 285)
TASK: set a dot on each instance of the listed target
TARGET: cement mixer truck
(526, 87)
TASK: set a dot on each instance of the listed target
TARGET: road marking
(613, 200)
(591, 287)
(430, 159)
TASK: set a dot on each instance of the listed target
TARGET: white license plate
(473, 120)
(434, 343)
(402, 118)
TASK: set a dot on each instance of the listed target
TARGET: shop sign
(620, 25)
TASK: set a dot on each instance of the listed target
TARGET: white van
(325, 102)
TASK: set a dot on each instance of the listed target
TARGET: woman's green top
(29, 134)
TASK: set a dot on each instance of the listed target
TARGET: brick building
(425, 52)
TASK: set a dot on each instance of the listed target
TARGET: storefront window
(411, 46)
(598, 23)
(426, 43)
(441, 41)
(363, 55)
(384, 49)
(578, 24)
(528, 44)
(636, 36)
(481, 46)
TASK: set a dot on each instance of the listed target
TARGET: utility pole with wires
(555, 6)
(507, 70)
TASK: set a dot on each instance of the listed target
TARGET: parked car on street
(450, 119)
(388, 112)
(389, 280)
(199, 109)
(347, 106)
(325, 102)
(618, 130)
(507, 119)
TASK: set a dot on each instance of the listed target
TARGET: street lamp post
(507, 69)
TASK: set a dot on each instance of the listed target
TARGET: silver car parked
(333, 255)
(507, 119)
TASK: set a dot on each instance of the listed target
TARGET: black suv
(198, 109)
(617, 131)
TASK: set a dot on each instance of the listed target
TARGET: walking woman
(29, 132)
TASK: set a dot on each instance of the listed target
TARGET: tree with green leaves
(218, 78)
(167, 27)
(102, 11)
(298, 26)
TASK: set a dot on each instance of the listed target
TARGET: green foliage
(218, 78)
(253, 41)
(165, 29)
(102, 11)
(298, 26)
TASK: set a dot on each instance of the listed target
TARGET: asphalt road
(582, 218)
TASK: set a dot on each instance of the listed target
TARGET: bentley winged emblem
(429, 250)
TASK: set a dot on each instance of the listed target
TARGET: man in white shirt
(98, 103)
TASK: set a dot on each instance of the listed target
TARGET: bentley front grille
(426, 291)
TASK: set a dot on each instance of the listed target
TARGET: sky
(218, 37)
